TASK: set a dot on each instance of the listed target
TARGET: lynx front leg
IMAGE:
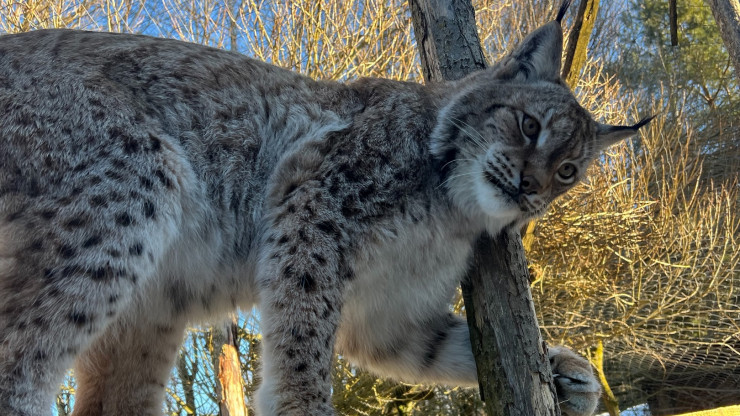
(300, 277)
(437, 349)
(578, 389)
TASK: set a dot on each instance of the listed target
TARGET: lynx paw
(578, 389)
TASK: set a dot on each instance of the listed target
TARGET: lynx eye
(530, 127)
(567, 172)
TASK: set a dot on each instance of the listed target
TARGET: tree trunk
(577, 50)
(727, 15)
(229, 389)
(673, 21)
(513, 370)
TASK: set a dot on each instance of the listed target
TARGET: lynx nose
(529, 185)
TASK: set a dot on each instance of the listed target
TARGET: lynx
(148, 183)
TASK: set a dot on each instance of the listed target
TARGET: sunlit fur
(482, 128)
(149, 183)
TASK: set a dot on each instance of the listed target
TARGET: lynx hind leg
(578, 389)
(125, 370)
(65, 273)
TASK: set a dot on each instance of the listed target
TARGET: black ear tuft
(607, 135)
(563, 8)
(644, 121)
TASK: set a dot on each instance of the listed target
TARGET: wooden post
(577, 49)
(228, 371)
(513, 370)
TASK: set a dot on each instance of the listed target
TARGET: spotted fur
(148, 183)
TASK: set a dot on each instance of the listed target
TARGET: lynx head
(512, 138)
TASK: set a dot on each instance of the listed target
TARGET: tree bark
(577, 50)
(513, 371)
(727, 15)
(229, 389)
(446, 38)
(673, 21)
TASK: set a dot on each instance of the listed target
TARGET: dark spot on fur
(116, 176)
(124, 219)
(366, 192)
(148, 209)
(320, 259)
(92, 241)
(98, 201)
(348, 275)
(329, 227)
(180, 298)
(292, 187)
(48, 214)
(288, 271)
(146, 182)
(75, 222)
(136, 249)
(350, 172)
(78, 318)
(154, 143)
(163, 178)
(118, 163)
(302, 235)
(300, 367)
(14, 216)
(36, 245)
(101, 273)
(130, 145)
(308, 283)
(80, 167)
(66, 251)
(113, 252)
(349, 208)
(284, 239)
(434, 344)
(296, 333)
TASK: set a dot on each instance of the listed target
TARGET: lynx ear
(538, 56)
(607, 135)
